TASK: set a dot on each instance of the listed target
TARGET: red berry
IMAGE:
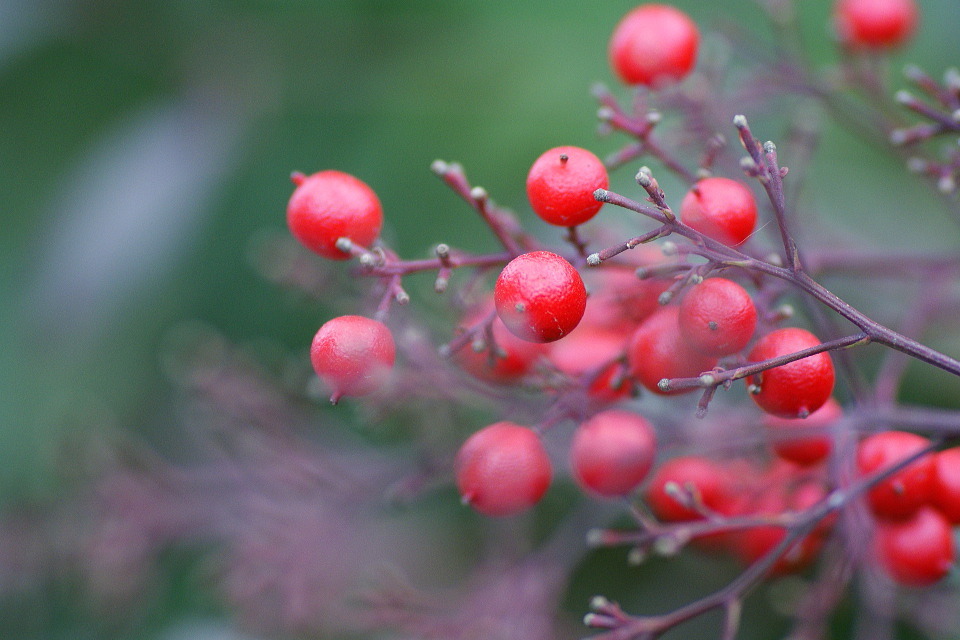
(946, 483)
(795, 389)
(900, 495)
(654, 45)
(657, 350)
(717, 317)
(561, 183)
(917, 552)
(584, 351)
(353, 355)
(875, 24)
(720, 208)
(788, 435)
(612, 452)
(756, 542)
(706, 480)
(502, 469)
(512, 358)
(331, 205)
(540, 296)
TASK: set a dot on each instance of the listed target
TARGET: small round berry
(755, 542)
(540, 296)
(917, 552)
(946, 483)
(795, 389)
(612, 452)
(331, 205)
(502, 469)
(353, 355)
(875, 24)
(701, 479)
(721, 209)
(654, 45)
(561, 183)
(510, 360)
(901, 494)
(717, 317)
(657, 350)
(584, 352)
(791, 440)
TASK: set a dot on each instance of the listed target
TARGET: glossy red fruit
(561, 183)
(720, 208)
(612, 452)
(353, 355)
(904, 492)
(701, 477)
(540, 296)
(795, 389)
(584, 352)
(946, 483)
(502, 469)
(717, 317)
(330, 205)
(657, 350)
(510, 359)
(917, 552)
(787, 436)
(875, 24)
(654, 45)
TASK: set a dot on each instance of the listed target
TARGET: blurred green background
(144, 145)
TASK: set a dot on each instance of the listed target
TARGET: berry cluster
(610, 340)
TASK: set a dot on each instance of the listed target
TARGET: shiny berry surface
(353, 355)
(795, 389)
(612, 452)
(654, 45)
(917, 552)
(903, 493)
(717, 317)
(561, 183)
(657, 350)
(720, 208)
(875, 24)
(804, 441)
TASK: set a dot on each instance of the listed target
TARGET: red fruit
(502, 469)
(707, 480)
(331, 205)
(901, 494)
(720, 208)
(755, 542)
(946, 483)
(875, 24)
(511, 359)
(654, 45)
(619, 300)
(657, 350)
(540, 296)
(587, 349)
(717, 317)
(788, 439)
(353, 355)
(917, 552)
(612, 452)
(795, 389)
(561, 183)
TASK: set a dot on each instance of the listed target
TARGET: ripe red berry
(901, 494)
(717, 317)
(790, 439)
(330, 205)
(756, 542)
(584, 351)
(795, 389)
(540, 296)
(657, 350)
(654, 45)
(510, 360)
(704, 479)
(502, 469)
(612, 452)
(946, 483)
(917, 552)
(720, 208)
(561, 183)
(875, 24)
(353, 355)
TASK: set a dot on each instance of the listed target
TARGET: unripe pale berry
(917, 552)
(901, 494)
(353, 355)
(717, 317)
(540, 296)
(654, 45)
(720, 208)
(612, 452)
(331, 205)
(875, 24)
(657, 350)
(795, 389)
(502, 469)
(561, 183)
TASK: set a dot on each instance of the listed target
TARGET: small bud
(696, 278)
(642, 273)
(951, 78)
(601, 195)
(643, 179)
(599, 602)
(665, 298)
(748, 165)
(664, 385)
(669, 248)
(667, 546)
(769, 147)
(593, 259)
(653, 117)
(594, 538)
(636, 557)
(443, 251)
(367, 259)
(479, 194)
(917, 165)
(740, 121)
(440, 285)
(402, 297)
(703, 174)
(478, 345)
(903, 97)
(946, 184)
(589, 619)
(913, 72)
(605, 114)
(708, 380)
(344, 244)
(439, 167)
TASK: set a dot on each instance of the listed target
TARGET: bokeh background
(145, 149)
